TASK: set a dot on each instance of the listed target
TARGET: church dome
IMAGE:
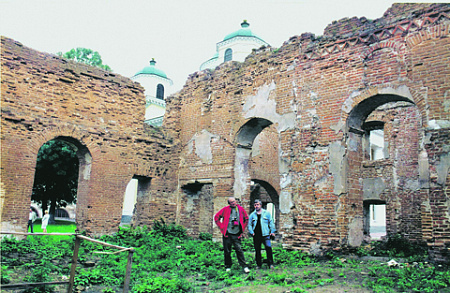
(152, 70)
(243, 32)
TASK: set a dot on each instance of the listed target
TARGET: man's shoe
(228, 270)
(246, 270)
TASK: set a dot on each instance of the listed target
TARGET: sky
(179, 34)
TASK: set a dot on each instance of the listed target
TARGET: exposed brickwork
(196, 208)
(292, 120)
(318, 93)
(46, 97)
(264, 161)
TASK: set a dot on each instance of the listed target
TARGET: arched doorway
(61, 176)
(245, 139)
(384, 134)
(269, 197)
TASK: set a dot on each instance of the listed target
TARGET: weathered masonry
(45, 97)
(294, 126)
(322, 128)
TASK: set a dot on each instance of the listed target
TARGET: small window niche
(375, 141)
(228, 55)
(137, 188)
(375, 219)
(160, 91)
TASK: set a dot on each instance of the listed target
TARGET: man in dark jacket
(232, 221)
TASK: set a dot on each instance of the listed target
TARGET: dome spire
(152, 70)
(245, 24)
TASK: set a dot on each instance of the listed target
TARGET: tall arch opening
(262, 190)
(247, 146)
(61, 177)
(384, 133)
(137, 188)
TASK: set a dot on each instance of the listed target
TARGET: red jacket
(223, 216)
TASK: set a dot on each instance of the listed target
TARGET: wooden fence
(71, 280)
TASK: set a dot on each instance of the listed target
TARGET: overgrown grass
(60, 226)
(165, 260)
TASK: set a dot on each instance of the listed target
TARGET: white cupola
(235, 47)
(156, 85)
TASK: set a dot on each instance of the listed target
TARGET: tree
(86, 56)
(56, 176)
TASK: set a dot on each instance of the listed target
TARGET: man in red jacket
(232, 221)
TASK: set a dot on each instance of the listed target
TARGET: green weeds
(5, 276)
(162, 285)
(166, 260)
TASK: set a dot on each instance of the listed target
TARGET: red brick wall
(44, 97)
(318, 92)
(309, 101)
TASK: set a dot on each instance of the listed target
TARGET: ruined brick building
(45, 97)
(293, 126)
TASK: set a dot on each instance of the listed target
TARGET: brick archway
(84, 172)
(267, 194)
(390, 179)
(244, 142)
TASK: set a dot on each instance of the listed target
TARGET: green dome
(243, 32)
(152, 70)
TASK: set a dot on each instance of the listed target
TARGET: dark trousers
(233, 239)
(30, 224)
(257, 241)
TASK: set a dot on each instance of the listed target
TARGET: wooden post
(74, 264)
(126, 283)
(73, 268)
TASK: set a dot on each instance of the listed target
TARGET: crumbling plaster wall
(44, 97)
(395, 179)
(318, 92)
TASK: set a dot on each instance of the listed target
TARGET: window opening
(375, 219)
(129, 200)
(376, 141)
(228, 55)
(378, 221)
(61, 213)
(160, 91)
(271, 209)
(137, 187)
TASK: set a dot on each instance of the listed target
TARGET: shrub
(291, 258)
(5, 278)
(398, 245)
(205, 236)
(402, 245)
(171, 230)
(40, 272)
(163, 285)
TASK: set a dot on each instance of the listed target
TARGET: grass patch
(60, 226)
(165, 260)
